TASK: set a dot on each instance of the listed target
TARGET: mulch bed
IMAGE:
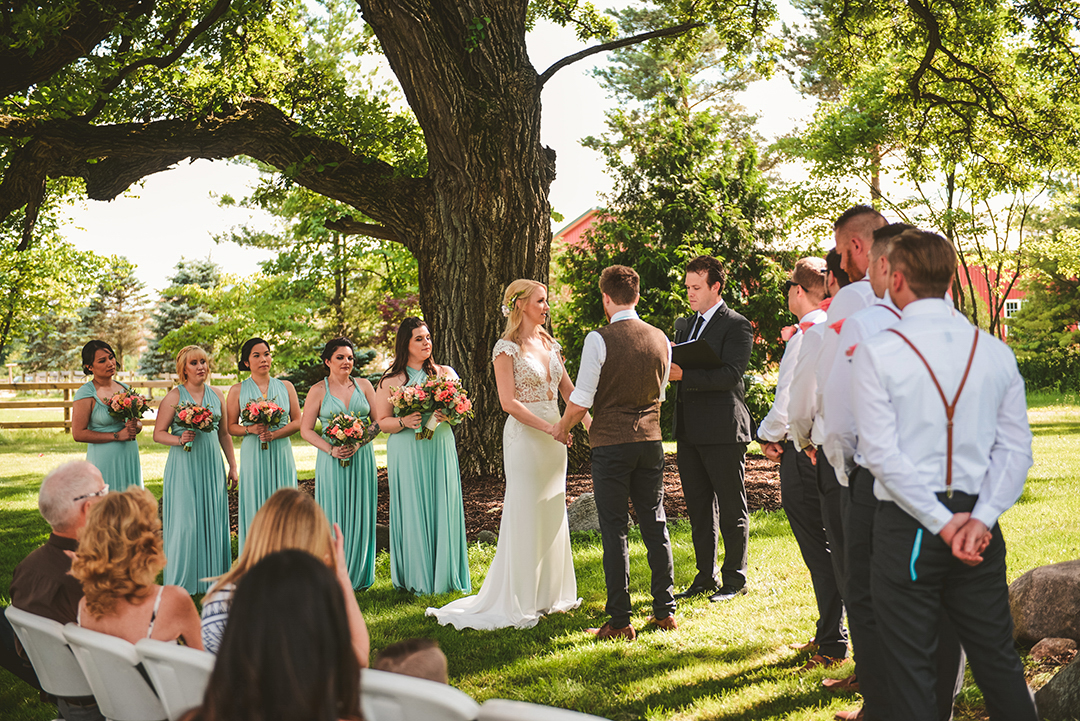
(483, 497)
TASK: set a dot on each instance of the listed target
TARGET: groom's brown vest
(626, 407)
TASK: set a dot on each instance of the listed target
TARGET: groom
(624, 368)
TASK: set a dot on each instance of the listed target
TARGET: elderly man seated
(41, 584)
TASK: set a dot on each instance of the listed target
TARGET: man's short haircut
(60, 486)
(883, 237)
(857, 211)
(621, 284)
(709, 267)
(927, 261)
(417, 657)
(810, 274)
(832, 264)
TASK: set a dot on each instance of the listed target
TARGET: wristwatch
(116, 436)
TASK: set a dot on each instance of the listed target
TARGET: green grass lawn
(727, 661)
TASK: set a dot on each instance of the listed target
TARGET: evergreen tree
(117, 312)
(57, 345)
(174, 309)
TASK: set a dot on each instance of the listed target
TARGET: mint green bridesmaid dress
(118, 461)
(350, 496)
(428, 551)
(195, 507)
(263, 472)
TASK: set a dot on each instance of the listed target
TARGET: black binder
(695, 355)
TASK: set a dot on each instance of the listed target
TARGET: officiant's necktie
(697, 327)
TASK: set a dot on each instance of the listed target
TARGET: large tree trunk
(489, 220)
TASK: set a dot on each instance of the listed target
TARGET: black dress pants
(712, 480)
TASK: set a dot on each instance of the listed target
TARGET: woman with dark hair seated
(286, 653)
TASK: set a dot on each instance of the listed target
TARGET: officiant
(712, 430)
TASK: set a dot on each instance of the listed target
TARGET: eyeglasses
(95, 494)
(789, 284)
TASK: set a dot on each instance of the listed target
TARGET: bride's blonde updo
(516, 295)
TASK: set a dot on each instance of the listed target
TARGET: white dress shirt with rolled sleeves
(803, 427)
(775, 425)
(838, 420)
(901, 420)
(593, 356)
(849, 300)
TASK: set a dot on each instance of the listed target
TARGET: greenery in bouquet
(345, 429)
(193, 417)
(127, 405)
(262, 412)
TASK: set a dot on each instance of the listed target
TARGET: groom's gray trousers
(624, 473)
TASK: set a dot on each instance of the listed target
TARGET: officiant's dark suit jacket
(712, 427)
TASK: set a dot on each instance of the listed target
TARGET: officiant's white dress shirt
(901, 423)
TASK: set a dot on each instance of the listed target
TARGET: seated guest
(289, 519)
(119, 558)
(41, 583)
(417, 657)
(286, 653)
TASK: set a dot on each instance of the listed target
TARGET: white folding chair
(179, 674)
(501, 709)
(111, 666)
(43, 639)
(386, 696)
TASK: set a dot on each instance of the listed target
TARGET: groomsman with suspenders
(806, 292)
(858, 504)
(941, 420)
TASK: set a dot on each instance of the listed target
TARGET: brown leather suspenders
(950, 409)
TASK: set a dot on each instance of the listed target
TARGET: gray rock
(581, 515)
(1052, 648)
(488, 537)
(1059, 700)
(1045, 603)
(382, 537)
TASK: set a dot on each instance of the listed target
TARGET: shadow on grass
(1056, 428)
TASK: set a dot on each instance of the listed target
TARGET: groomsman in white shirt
(798, 478)
(942, 426)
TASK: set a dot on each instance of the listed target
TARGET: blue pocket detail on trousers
(915, 554)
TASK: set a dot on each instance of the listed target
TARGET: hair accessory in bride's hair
(505, 307)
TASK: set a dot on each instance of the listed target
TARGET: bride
(533, 570)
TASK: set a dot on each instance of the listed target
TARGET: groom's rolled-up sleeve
(593, 355)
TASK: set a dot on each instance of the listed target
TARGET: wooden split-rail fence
(68, 388)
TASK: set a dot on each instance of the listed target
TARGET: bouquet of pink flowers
(127, 405)
(265, 412)
(193, 417)
(450, 398)
(348, 430)
(435, 394)
(407, 400)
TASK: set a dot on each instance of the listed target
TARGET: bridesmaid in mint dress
(350, 495)
(261, 471)
(195, 507)
(428, 552)
(111, 444)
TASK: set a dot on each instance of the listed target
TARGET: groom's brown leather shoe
(667, 623)
(608, 631)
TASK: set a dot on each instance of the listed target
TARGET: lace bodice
(531, 383)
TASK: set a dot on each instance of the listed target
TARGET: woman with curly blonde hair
(289, 519)
(118, 559)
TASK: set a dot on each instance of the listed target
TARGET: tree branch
(347, 226)
(112, 157)
(219, 9)
(616, 44)
(21, 68)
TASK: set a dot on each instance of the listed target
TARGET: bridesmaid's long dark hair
(401, 350)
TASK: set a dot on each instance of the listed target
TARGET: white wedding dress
(533, 570)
